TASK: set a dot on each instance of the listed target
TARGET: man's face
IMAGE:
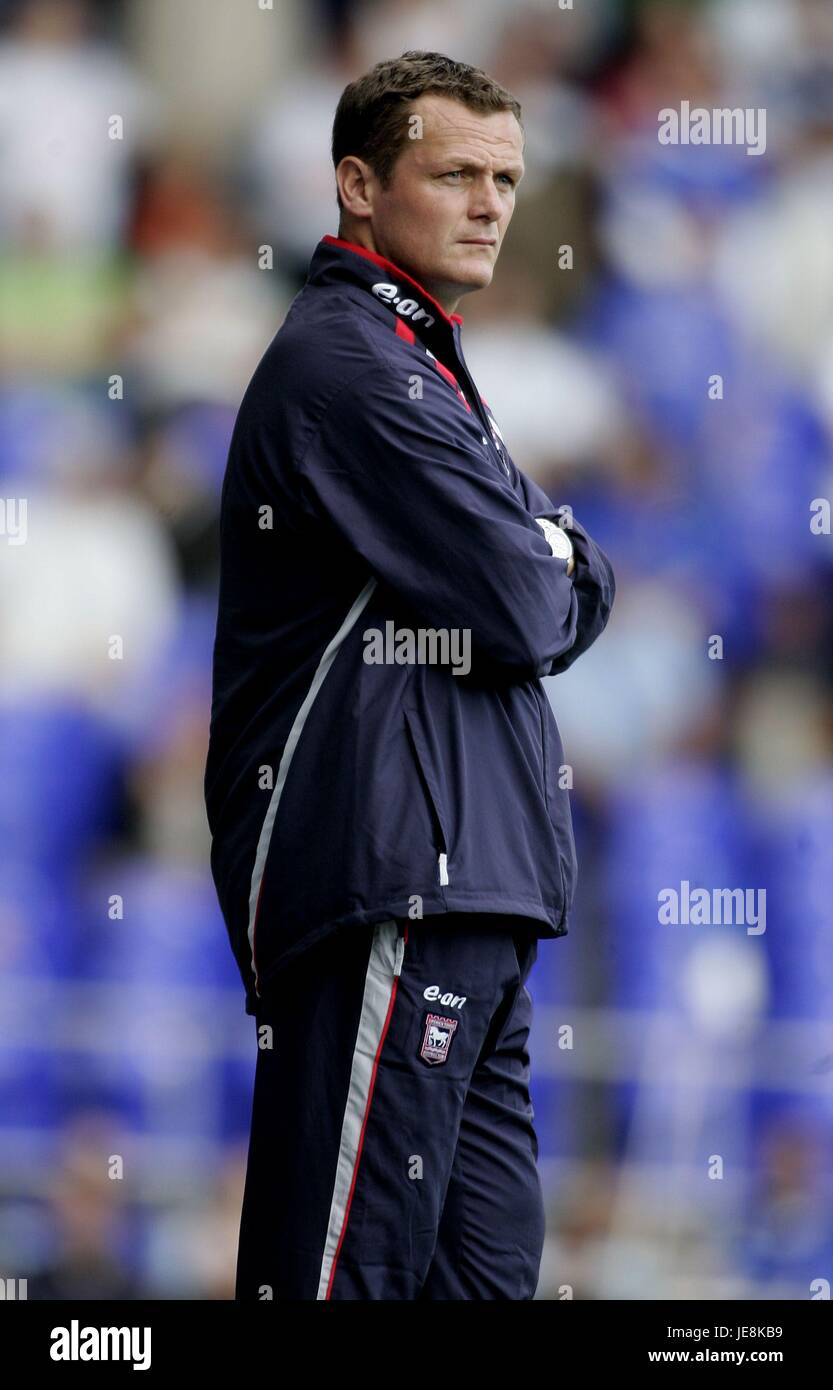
(452, 193)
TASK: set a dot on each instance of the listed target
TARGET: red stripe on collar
(450, 377)
(403, 331)
(409, 336)
(389, 265)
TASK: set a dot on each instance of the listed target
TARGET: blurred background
(683, 1075)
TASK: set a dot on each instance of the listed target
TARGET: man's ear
(353, 176)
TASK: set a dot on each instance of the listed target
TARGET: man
(390, 833)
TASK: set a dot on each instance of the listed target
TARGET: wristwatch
(559, 542)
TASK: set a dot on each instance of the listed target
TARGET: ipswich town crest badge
(436, 1038)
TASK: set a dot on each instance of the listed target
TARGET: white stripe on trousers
(383, 968)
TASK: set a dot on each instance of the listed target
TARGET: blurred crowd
(667, 314)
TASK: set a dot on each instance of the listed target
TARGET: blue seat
(60, 771)
(172, 931)
(793, 835)
(677, 822)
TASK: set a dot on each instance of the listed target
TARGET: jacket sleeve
(593, 578)
(430, 514)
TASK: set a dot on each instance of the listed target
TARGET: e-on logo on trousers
(436, 1038)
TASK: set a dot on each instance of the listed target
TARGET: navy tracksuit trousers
(392, 1152)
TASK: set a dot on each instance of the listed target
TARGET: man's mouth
(479, 241)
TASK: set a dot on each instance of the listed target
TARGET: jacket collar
(409, 304)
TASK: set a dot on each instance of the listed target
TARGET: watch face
(559, 542)
(562, 544)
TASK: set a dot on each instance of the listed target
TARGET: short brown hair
(371, 119)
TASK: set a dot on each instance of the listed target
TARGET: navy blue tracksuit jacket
(390, 839)
(368, 484)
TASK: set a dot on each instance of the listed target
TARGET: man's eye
(454, 173)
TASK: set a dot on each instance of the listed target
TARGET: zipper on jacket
(477, 403)
(443, 867)
(488, 438)
(504, 466)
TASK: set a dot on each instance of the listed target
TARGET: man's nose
(486, 201)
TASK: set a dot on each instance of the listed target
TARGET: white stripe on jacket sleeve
(327, 659)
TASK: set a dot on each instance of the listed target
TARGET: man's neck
(364, 238)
